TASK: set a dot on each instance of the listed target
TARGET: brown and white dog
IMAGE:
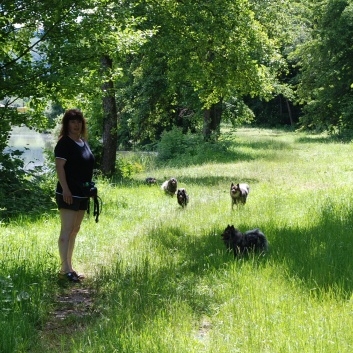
(182, 197)
(239, 193)
(170, 186)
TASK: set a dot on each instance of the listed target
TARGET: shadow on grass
(179, 271)
(317, 139)
(33, 212)
(266, 145)
(183, 264)
(321, 257)
(214, 180)
(229, 151)
(26, 288)
(184, 181)
(149, 286)
(346, 137)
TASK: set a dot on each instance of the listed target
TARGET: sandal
(70, 276)
(78, 275)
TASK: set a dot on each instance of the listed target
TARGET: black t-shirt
(78, 167)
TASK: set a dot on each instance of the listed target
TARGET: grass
(159, 278)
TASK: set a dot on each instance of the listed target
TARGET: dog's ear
(237, 185)
(232, 184)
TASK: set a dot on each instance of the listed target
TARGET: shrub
(23, 192)
(130, 163)
(174, 143)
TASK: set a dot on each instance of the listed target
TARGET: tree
(288, 23)
(141, 66)
(85, 54)
(67, 52)
(21, 80)
(20, 72)
(217, 49)
(326, 69)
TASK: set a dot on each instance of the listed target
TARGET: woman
(74, 167)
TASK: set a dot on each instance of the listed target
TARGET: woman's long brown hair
(73, 114)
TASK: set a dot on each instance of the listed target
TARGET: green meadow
(158, 277)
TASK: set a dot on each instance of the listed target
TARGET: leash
(97, 206)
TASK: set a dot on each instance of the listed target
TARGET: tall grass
(160, 277)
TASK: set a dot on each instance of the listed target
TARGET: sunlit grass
(164, 282)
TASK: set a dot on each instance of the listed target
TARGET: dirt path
(68, 317)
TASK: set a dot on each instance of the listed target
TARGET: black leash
(97, 206)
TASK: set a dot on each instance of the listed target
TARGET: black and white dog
(239, 193)
(170, 186)
(182, 197)
(243, 243)
(151, 180)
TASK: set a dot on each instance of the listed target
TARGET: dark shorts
(77, 204)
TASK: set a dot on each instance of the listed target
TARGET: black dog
(170, 186)
(182, 197)
(151, 181)
(242, 243)
(239, 193)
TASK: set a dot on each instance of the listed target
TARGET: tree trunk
(110, 119)
(289, 112)
(212, 120)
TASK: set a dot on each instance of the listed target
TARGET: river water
(32, 144)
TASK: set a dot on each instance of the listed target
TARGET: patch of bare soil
(69, 315)
(204, 329)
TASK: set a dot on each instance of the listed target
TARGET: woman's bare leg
(70, 225)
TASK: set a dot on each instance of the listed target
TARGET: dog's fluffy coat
(243, 243)
(239, 193)
(182, 197)
(170, 186)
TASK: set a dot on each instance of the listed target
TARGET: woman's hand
(67, 196)
(60, 171)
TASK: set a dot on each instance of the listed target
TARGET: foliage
(219, 50)
(172, 144)
(173, 60)
(126, 168)
(237, 112)
(175, 143)
(22, 73)
(178, 149)
(130, 164)
(289, 24)
(23, 192)
(61, 46)
(94, 47)
(326, 71)
(151, 106)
